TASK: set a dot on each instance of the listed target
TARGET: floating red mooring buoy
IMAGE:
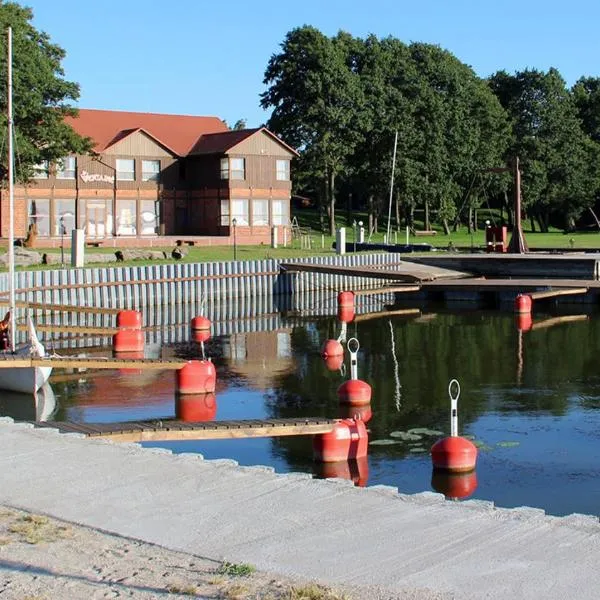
(345, 299)
(354, 470)
(348, 439)
(523, 303)
(334, 363)
(194, 408)
(454, 485)
(201, 335)
(346, 314)
(332, 348)
(354, 392)
(524, 321)
(454, 454)
(128, 340)
(200, 323)
(364, 413)
(196, 377)
(129, 319)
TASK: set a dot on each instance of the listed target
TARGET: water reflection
(356, 470)
(455, 486)
(39, 406)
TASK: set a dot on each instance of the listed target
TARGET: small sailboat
(18, 379)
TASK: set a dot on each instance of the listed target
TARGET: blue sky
(208, 57)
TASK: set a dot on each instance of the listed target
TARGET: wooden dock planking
(169, 430)
(63, 307)
(388, 290)
(74, 362)
(558, 321)
(558, 292)
(404, 312)
(524, 285)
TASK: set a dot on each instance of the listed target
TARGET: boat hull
(26, 380)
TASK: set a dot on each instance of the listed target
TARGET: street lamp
(234, 223)
(63, 230)
(354, 228)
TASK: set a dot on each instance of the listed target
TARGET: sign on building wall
(88, 177)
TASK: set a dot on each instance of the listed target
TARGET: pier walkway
(389, 544)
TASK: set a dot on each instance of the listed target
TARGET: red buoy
(524, 321)
(346, 314)
(200, 323)
(334, 363)
(348, 439)
(356, 470)
(354, 392)
(128, 340)
(523, 303)
(454, 485)
(129, 319)
(332, 348)
(454, 454)
(345, 299)
(364, 413)
(201, 335)
(196, 377)
(130, 356)
(196, 407)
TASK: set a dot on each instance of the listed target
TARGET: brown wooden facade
(138, 190)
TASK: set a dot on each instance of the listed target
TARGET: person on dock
(4, 339)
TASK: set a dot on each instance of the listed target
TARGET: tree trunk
(411, 216)
(470, 226)
(426, 225)
(331, 193)
(531, 220)
(446, 226)
(370, 208)
(398, 213)
(349, 209)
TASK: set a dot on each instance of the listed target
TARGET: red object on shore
(345, 299)
(354, 392)
(346, 314)
(454, 485)
(334, 363)
(196, 377)
(356, 470)
(201, 335)
(523, 304)
(524, 321)
(454, 454)
(364, 413)
(129, 319)
(347, 440)
(332, 348)
(193, 408)
(201, 323)
(128, 340)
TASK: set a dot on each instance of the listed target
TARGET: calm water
(530, 400)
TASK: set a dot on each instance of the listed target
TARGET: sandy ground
(46, 559)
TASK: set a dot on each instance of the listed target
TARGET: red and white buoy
(332, 348)
(345, 299)
(354, 391)
(129, 319)
(196, 377)
(523, 304)
(454, 454)
(201, 323)
(348, 439)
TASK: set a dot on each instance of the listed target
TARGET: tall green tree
(315, 97)
(42, 96)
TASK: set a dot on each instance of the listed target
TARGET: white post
(407, 235)
(77, 248)
(454, 407)
(340, 241)
(322, 241)
(274, 236)
(353, 347)
(361, 233)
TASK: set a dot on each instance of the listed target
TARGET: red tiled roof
(217, 143)
(178, 133)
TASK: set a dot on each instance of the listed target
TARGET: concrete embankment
(293, 525)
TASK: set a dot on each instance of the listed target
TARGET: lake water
(530, 400)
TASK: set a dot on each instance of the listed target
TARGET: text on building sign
(87, 177)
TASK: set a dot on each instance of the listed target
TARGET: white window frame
(225, 168)
(41, 170)
(263, 217)
(280, 217)
(237, 169)
(66, 168)
(282, 170)
(124, 173)
(225, 212)
(239, 211)
(150, 170)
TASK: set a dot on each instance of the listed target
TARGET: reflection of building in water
(260, 356)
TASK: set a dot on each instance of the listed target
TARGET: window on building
(239, 211)
(40, 171)
(283, 170)
(150, 217)
(39, 213)
(64, 217)
(126, 217)
(150, 170)
(281, 212)
(260, 212)
(233, 168)
(225, 213)
(126, 169)
(96, 217)
(65, 168)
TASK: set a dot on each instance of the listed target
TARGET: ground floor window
(239, 212)
(149, 217)
(96, 217)
(281, 212)
(39, 215)
(225, 213)
(126, 217)
(64, 217)
(260, 212)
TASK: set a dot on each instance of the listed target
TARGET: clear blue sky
(208, 57)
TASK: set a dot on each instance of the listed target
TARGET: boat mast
(389, 230)
(11, 201)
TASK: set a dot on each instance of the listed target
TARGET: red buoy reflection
(454, 485)
(356, 470)
(193, 408)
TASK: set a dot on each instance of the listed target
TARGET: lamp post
(234, 223)
(354, 229)
(61, 223)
